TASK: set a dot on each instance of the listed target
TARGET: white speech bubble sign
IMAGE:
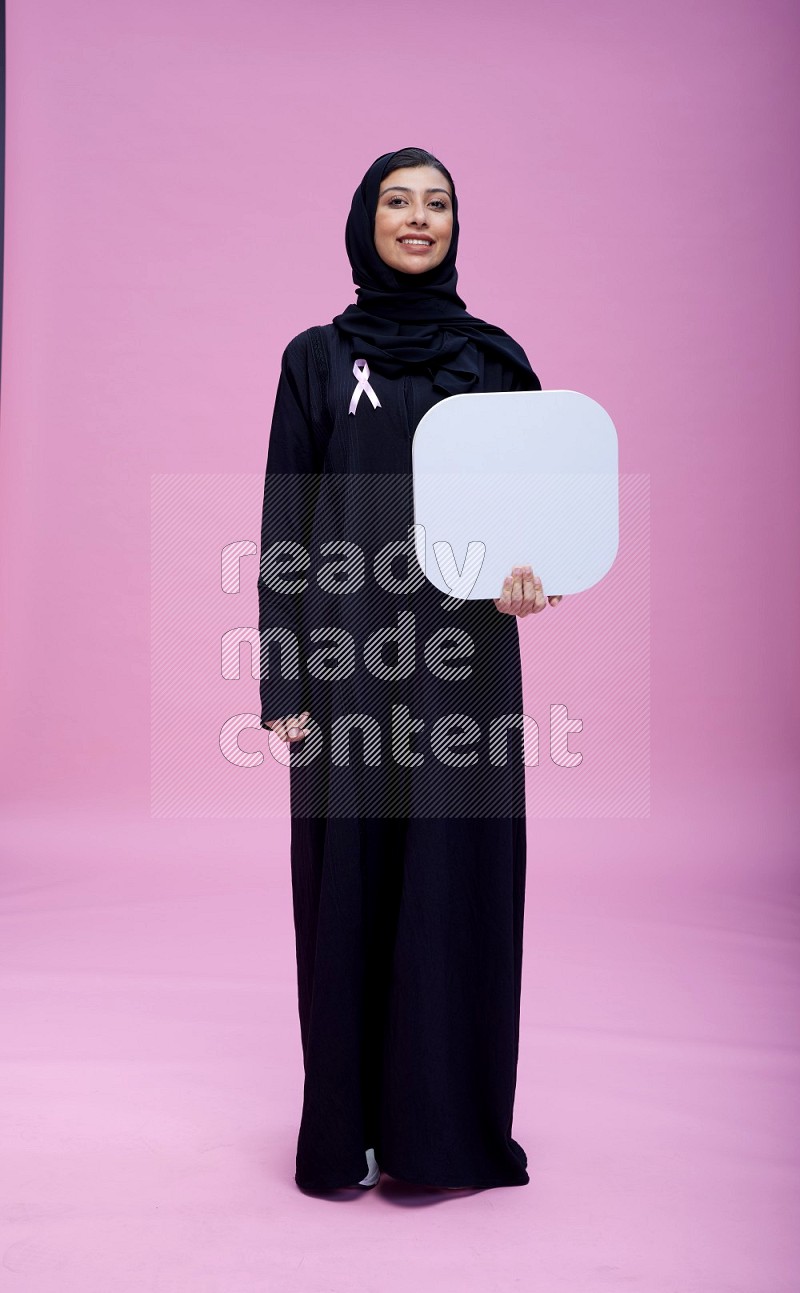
(508, 478)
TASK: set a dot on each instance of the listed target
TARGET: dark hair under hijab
(416, 321)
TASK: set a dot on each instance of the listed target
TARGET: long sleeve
(295, 460)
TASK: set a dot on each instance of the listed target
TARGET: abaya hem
(492, 1184)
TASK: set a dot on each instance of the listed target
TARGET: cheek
(383, 234)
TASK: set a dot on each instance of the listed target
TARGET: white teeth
(416, 242)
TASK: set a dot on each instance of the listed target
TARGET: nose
(418, 215)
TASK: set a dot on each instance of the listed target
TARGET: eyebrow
(402, 188)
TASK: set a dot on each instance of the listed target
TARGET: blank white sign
(515, 478)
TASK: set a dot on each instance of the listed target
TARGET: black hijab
(403, 321)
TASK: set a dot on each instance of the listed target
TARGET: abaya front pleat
(408, 880)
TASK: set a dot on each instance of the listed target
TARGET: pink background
(178, 177)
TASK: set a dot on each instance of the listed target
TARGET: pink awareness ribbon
(361, 375)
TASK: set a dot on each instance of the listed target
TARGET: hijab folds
(405, 322)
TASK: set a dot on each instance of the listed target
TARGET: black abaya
(408, 873)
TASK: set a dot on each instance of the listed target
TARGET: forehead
(419, 179)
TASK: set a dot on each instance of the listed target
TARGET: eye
(438, 202)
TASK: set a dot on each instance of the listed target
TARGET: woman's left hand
(522, 593)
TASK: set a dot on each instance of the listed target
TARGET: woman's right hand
(290, 728)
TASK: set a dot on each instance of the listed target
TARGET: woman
(408, 862)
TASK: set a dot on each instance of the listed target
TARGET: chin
(404, 269)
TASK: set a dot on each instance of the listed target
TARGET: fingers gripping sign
(522, 593)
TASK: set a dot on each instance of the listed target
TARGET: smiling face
(414, 203)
